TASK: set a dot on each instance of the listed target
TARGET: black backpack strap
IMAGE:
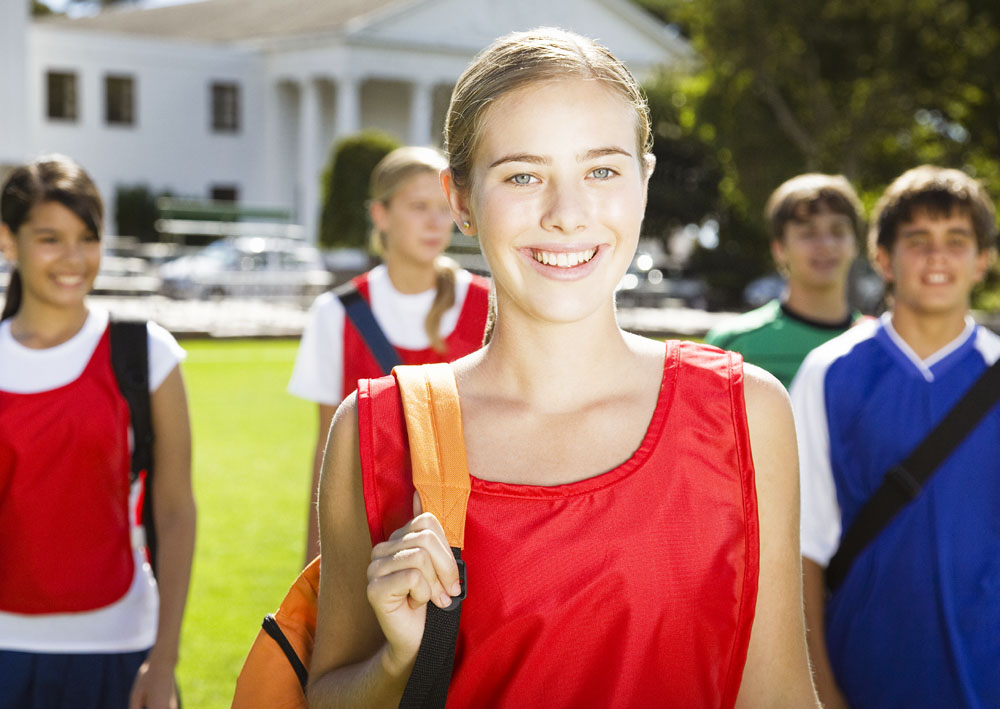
(272, 628)
(361, 316)
(427, 686)
(904, 482)
(130, 361)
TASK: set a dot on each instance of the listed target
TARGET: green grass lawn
(253, 447)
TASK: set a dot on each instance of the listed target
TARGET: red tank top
(360, 363)
(64, 491)
(634, 588)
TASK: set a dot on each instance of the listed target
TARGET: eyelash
(610, 173)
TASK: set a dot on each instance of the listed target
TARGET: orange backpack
(276, 670)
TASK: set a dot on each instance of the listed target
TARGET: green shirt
(774, 338)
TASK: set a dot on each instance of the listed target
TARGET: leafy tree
(844, 86)
(344, 217)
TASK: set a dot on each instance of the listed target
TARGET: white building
(243, 98)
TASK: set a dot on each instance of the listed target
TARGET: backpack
(130, 362)
(275, 672)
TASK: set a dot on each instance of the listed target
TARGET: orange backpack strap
(437, 444)
(441, 477)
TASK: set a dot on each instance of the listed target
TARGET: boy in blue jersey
(916, 622)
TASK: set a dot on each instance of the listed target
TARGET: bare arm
(372, 602)
(777, 667)
(814, 581)
(174, 512)
(326, 413)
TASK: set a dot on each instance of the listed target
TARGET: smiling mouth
(936, 278)
(563, 259)
(69, 280)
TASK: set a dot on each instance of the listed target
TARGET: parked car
(644, 286)
(247, 266)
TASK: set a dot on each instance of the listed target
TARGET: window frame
(70, 100)
(129, 120)
(224, 107)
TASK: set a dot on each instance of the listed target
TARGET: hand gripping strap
(437, 444)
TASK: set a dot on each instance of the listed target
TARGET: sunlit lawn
(252, 457)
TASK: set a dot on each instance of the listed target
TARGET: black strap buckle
(904, 481)
(456, 601)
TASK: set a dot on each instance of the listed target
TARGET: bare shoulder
(763, 391)
(772, 433)
(340, 475)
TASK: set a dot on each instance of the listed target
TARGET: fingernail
(456, 588)
(445, 600)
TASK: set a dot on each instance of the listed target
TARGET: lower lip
(568, 273)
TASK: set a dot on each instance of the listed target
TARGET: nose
(567, 209)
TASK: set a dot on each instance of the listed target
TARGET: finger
(418, 507)
(421, 551)
(406, 586)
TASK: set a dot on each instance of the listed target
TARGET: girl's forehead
(560, 113)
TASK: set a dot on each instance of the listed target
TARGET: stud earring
(466, 224)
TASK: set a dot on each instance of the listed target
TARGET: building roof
(228, 20)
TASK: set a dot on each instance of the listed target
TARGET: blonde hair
(389, 174)
(522, 58)
(517, 60)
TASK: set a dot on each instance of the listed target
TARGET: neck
(409, 277)
(827, 305)
(554, 368)
(926, 334)
(40, 326)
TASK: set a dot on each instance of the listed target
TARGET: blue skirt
(42, 680)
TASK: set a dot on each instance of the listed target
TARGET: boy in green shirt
(815, 222)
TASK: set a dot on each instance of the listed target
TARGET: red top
(636, 587)
(467, 337)
(64, 489)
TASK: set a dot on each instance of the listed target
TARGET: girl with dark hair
(83, 623)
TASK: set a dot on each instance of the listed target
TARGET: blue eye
(603, 173)
(522, 179)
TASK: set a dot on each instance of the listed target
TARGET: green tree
(845, 86)
(344, 217)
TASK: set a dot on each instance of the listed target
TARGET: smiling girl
(83, 624)
(627, 495)
(428, 309)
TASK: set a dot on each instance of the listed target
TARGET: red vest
(467, 337)
(64, 493)
(634, 588)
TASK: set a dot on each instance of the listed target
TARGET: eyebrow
(542, 160)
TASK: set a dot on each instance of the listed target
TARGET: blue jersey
(916, 623)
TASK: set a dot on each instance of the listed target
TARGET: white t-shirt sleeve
(819, 523)
(319, 368)
(164, 354)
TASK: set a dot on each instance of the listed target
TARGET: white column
(348, 106)
(310, 159)
(421, 108)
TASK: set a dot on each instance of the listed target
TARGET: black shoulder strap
(904, 482)
(360, 314)
(130, 361)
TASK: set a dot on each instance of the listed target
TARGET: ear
(984, 261)
(458, 203)
(778, 253)
(8, 244)
(883, 263)
(379, 215)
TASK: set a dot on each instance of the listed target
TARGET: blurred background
(250, 126)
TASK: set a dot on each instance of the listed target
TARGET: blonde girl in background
(428, 309)
(83, 623)
(631, 536)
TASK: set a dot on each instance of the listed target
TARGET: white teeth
(68, 280)
(563, 259)
(936, 278)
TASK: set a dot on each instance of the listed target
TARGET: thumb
(417, 507)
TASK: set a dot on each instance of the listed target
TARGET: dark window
(225, 107)
(61, 95)
(225, 193)
(119, 100)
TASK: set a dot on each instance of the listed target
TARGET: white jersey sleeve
(319, 364)
(820, 525)
(164, 354)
